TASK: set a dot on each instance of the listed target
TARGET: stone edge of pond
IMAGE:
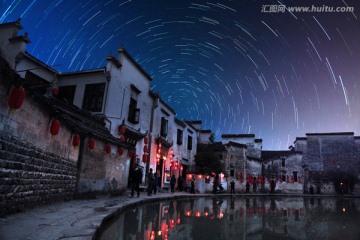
(107, 220)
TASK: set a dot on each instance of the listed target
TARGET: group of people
(153, 182)
(135, 180)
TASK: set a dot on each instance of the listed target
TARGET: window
(93, 97)
(134, 112)
(164, 127)
(179, 140)
(283, 162)
(67, 94)
(189, 147)
(232, 173)
(295, 176)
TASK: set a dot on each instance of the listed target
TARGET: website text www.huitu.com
(313, 9)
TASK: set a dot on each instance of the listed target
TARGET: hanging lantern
(55, 91)
(122, 138)
(76, 140)
(146, 148)
(107, 148)
(144, 158)
(16, 98)
(130, 153)
(122, 129)
(55, 127)
(91, 143)
(120, 151)
(146, 140)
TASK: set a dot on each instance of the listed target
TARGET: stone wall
(101, 173)
(36, 167)
(31, 177)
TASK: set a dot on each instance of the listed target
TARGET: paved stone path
(73, 220)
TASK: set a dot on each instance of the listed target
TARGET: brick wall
(31, 177)
(35, 167)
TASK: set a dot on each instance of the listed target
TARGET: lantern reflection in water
(185, 219)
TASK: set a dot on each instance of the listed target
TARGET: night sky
(236, 65)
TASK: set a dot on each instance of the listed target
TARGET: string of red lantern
(122, 138)
(55, 127)
(91, 143)
(130, 153)
(55, 91)
(120, 151)
(108, 148)
(144, 158)
(122, 129)
(158, 154)
(16, 98)
(146, 149)
(76, 140)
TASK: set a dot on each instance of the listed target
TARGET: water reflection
(240, 217)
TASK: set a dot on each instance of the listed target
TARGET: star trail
(239, 66)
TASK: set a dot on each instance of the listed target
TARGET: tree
(212, 138)
(207, 161)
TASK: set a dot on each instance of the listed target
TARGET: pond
(240, 217)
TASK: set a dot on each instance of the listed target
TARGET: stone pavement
(73, 220)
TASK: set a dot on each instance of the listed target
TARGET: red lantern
(146, 140)
(120, 151)
(130, 153)
(108, 148)
(55, 127)
(122, 129)
(146, 148)
(76, 140)
(122, 138)
(16, 98)
(55, 91)
(91, 143)
(144, 158)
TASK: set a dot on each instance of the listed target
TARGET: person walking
(254, 187)
(150, 177)
(180, 186)
(132, 181)
(232, 186)
(155, 183)
(192, 188)
(172, 183)
(247, 187)
(138, 179)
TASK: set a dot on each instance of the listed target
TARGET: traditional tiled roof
(43, 65)
(89, 71)
(254, 158)
(330, 133)
(179, 122)
(237, 135)
(17, 23)
(231, 143)
(318, 175)
(269, 155)
(78, 121)
(205, 131)
(216, 146)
